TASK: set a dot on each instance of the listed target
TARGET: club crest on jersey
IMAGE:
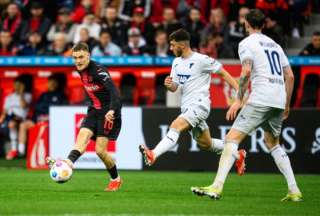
(183, 78)
(105, 75)
(190, 65)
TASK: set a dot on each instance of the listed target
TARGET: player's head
(254, 20)
(179, 42)
(316, 39)
(81, 55)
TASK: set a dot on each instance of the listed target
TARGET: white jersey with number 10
(267, 79)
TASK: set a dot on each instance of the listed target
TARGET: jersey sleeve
(283, 59)
(103, 77)
(173, 73)
(210, 65)
(244, 52)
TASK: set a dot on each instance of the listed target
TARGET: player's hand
(286, 113)
(168, 82)
(233, 110)
(110, 116)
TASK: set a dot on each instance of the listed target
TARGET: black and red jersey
(100, 88)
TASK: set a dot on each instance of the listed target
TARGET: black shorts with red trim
(96, 122)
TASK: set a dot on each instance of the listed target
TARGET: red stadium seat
(145, 87)
(306, 70)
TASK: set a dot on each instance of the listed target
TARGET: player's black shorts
(96, 122)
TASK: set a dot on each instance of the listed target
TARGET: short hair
(81, 46)
(179, 35)
(255, 18)
(316, 33)
(105, 31)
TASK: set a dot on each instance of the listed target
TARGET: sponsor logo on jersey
(92, 88)
(183, 78)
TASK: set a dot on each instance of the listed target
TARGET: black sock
(113, 172)
(74, 155)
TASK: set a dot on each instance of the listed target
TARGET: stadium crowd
(140, 27)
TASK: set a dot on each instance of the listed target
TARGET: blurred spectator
(224, 5)
(85, 37)
(313, 48)
(7, 47)
(127, 7)
(158, 7)
(34, 46)
(89, 22)
(15, 110)
(161, 48)
(274, 31)
(194, 25)
(169, 23)
(59, 46)
(237, 30)
(217, 24)
(84, 8)
(216, 47)
(12, 21)
(117, 28)
(36, 23)
(297, 7)
(64, 25)
(54, 96)
(145, 27)
(105, 46)
(136, 44)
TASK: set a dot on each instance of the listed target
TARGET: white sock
(227, 159)
(217, 145)
(13, 134)
(168, 142)
(283, 163)
(21, 148)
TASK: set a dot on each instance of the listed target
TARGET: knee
(204, 145)
(100, 151)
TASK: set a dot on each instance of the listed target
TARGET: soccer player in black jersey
(103, 120)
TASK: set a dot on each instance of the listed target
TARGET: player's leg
(23, 131)
(205, 141)
(13, 135)
(80, 146)
(108, 131)
(168, 142)
(249, 118)
(87, 130)
(272, 129)
(101, 146)
(228, 157)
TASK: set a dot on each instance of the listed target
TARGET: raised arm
(289, 81)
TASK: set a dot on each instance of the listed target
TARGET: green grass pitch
(25, 192)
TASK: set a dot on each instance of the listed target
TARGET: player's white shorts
(253, 116)
(196, 115)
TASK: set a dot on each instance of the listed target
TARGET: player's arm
(289, 82)
(170, 84)
(244, 78)
(228, 78)
(104, 78)
(243, 86)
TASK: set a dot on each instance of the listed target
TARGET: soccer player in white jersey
(191, 71)
(264, 62)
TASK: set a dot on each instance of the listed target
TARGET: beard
(178, 53)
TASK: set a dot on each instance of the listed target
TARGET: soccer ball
(60, 172)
